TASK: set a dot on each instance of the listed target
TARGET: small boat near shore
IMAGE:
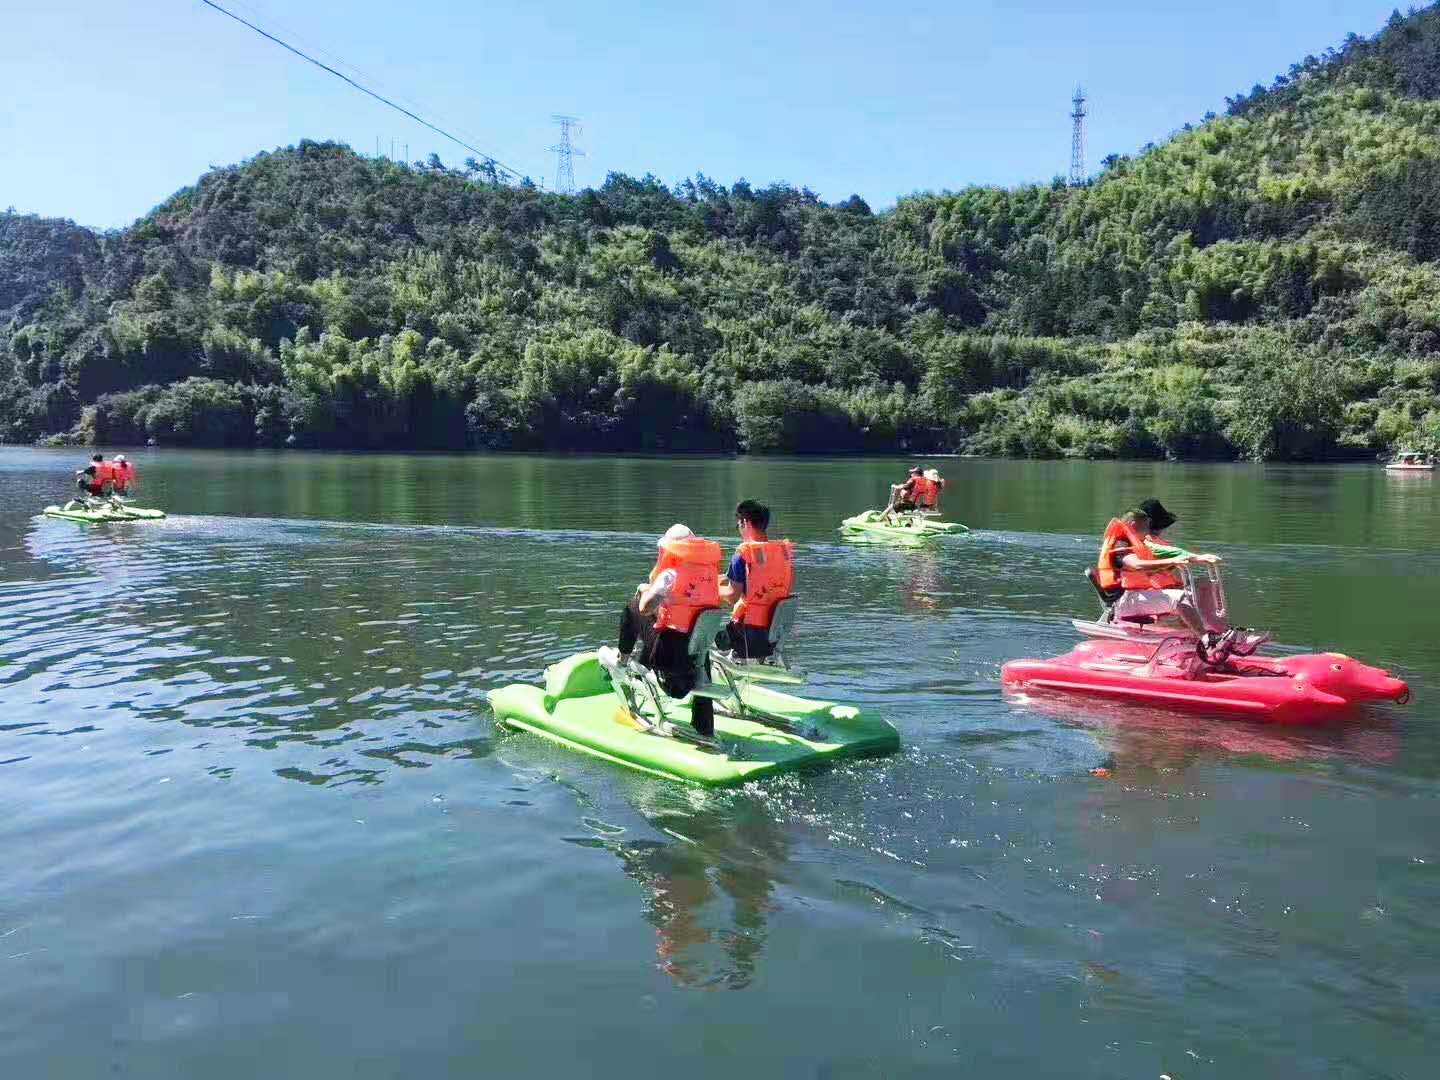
(1411, 461)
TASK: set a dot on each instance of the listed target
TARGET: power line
(260, 14)
(365, 90)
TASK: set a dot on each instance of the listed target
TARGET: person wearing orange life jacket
(761, 574)
(902, 496)
(927, 490)
(920, 491)
(122, 474)
(683, 583)
(92, 479)
(1149, 585)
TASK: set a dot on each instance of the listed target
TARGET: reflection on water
(1137, 739)
(921, 580)
(708, 888)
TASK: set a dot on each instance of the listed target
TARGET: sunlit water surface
(259, 822)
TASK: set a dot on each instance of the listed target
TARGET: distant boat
(1411, 461)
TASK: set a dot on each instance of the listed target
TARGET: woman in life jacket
(122, 474)
(928, 486)
(761, 574)
(1149, 586)
(683, 583)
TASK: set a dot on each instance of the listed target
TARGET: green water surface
(258, 822)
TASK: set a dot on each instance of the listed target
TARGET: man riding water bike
(920, 491)
(93, 481)
(761, 574)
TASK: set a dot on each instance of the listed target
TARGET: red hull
(1308, 689)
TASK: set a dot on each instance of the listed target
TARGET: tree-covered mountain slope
(1263, 285)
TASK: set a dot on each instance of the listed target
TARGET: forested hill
(1263, 285)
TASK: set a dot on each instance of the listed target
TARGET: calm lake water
(258, 820)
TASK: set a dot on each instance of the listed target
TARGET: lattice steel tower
(565, 154)
(1077, 140)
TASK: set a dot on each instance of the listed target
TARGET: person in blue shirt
(760, 574)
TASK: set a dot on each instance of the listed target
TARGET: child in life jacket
(684, 582)
(761, 574)
(1152, 586)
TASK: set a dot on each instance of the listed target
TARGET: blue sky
(106, 108)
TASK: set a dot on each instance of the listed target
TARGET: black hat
(916, 469)
(1160, 518)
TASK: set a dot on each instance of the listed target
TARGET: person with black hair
(1152, 586)
(920, 492)
(91, 479)
(904, 497)
(761, 574)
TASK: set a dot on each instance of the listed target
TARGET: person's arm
(654, 594)
(732, 582)
(1134, 562)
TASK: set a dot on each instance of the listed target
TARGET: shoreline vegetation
(1261, 286)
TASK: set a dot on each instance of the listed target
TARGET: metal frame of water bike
(92, 503)
(896, 515)
(1205, 591)
(736, 672)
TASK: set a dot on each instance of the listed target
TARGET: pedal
(625, 718)
(1247, 641)
(686, 733)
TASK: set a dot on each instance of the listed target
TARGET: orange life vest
(1129, 580)
(104, 472)
(696, 563)
(121, 476)
(769, 577)
(925, 493)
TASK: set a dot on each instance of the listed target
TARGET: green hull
(578, 709)
(904, 527)
(129, 513)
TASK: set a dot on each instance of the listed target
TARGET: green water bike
(904, 525)
(99, 511)
(598, 704)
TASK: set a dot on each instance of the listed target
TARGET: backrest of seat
(1106, 597)
(782, 617)
(702, 635)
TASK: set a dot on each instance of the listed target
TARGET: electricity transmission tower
(1077, 140)
(565, 154)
